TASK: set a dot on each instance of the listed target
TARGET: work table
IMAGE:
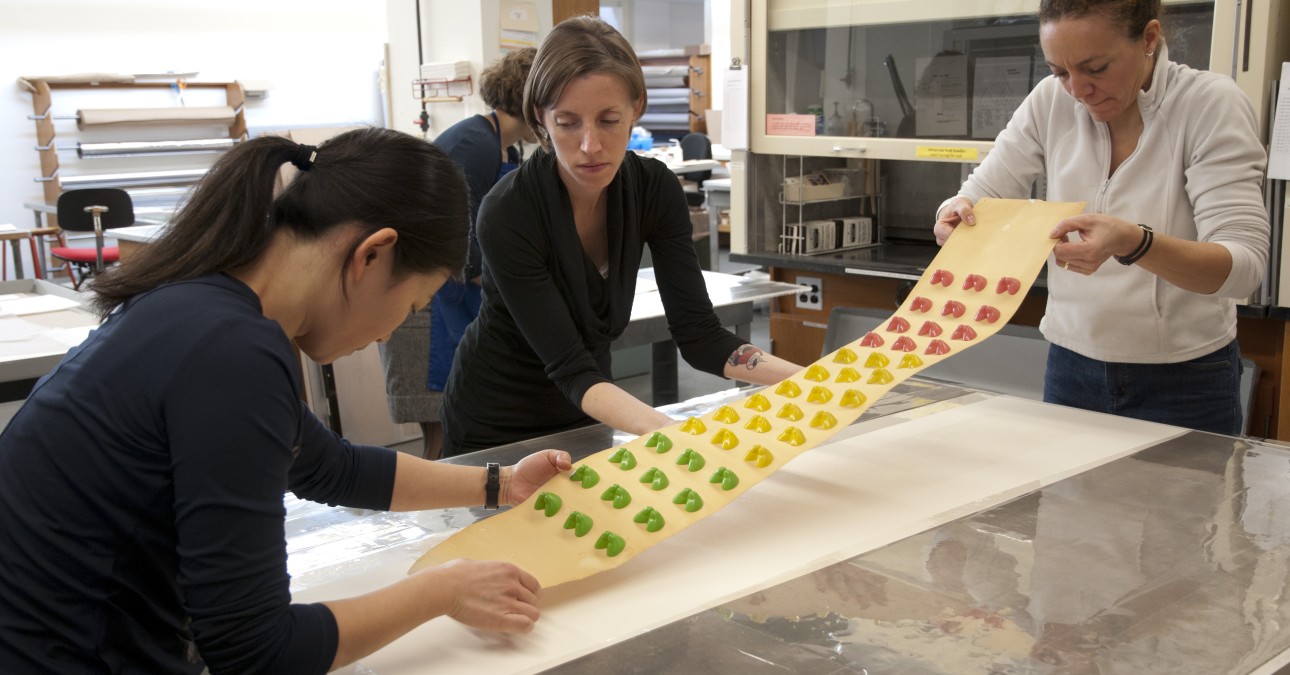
(1172, 558)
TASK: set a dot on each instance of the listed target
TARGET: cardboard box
(813, 187)
(820, 235)
(854, 231)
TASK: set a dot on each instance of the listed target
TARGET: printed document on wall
(734, 115)
(1279, 147)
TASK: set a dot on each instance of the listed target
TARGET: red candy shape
(964, 332)
(871, 340)
(937, 348)
(920, 304)
(898, 325)
(987, 314)
(953, 308)
(930, 329)
(1008, 284)
(942, 277)
(904, 344)
(974, 282)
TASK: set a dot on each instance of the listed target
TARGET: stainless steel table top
(1173, 560)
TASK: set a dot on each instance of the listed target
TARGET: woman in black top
(562, 239)
(141, 484)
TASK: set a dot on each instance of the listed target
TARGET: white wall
(322, 57)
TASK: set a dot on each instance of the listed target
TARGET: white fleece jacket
(1196, 174)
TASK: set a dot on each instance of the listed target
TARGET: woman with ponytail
(141, 483)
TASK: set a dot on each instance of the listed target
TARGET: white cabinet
(928, 80)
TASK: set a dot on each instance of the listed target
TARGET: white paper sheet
(876, 483)
(734, 114)
(1279, 146)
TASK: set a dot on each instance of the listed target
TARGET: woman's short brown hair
(578, 46)
(501, 85)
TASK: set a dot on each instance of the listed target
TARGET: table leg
(663, 373)
(714, 219)
(17, 257)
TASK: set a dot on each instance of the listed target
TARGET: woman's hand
(531, 473)
(959, 210)
(1100, 237)
(491, 595)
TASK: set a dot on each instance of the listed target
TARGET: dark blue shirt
(141, 496)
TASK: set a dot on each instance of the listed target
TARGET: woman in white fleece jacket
(1143, 288)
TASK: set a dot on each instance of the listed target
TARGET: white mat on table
(876, 483)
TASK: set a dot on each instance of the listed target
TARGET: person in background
(420, 352)
(562, 239)
(141, 484)
(1143, 286)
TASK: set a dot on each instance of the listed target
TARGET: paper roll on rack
(153, 147)
(135, 179)
(154, 116)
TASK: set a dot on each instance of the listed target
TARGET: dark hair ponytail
(1132, 15)
(373, 177)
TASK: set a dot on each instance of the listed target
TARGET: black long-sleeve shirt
(141, 485)
(543, 334)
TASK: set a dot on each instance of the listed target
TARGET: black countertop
(901, 260)
(897, 260)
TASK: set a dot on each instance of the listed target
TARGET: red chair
(92, 210)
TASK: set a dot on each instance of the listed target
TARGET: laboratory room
(920, 337)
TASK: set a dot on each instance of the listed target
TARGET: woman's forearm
(749, 363)
(616, 408)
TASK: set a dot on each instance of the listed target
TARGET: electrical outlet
(813, 298)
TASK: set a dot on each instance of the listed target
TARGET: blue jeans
(1203, 393)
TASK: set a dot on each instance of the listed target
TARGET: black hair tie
(304, 157)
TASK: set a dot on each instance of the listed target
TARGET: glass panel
(950, 78)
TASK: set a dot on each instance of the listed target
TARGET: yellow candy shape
(759, 424)
(760, 456)
(694, 426)
(790, 412)
(848, 374)
(852, 399)
(819, 395)
(910, 361)
(726, 415)
(816, 374)
(877, 360)
(725, 438)
(758, 402)
(824, 420)
(789, 389)
(792, 436)
(880, 376)
(845, 355)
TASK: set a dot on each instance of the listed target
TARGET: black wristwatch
(492, 485)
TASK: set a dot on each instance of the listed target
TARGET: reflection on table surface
(1172, 560)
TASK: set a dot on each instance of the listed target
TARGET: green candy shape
(657, 479)
(692, 459)
(620, 497)
(652, 519)
(691, 499)
(623, 458)
(612, 543)
(726, 477)
(550, 502)
(579, 522)
(586, 475)
(659, 442)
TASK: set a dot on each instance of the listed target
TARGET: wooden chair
(92, 210)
